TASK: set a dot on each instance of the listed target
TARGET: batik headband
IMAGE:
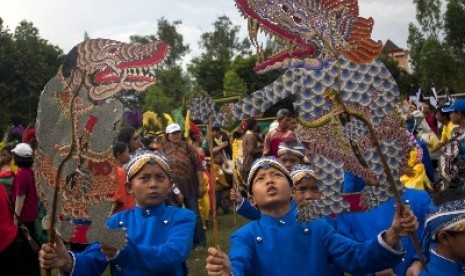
(301, 171)
(266, 163)
(449, 216)
(143, 157)
(294, 148)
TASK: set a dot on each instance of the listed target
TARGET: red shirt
(24, 184)
(8, 229)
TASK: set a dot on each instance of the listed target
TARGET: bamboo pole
(213, 177)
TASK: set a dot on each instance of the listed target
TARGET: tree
(415, 43)
(436, 66)
(172, 83)
(167, 32)
(233, 84)
(220, 47)
(27, 63)
(429, 16)
(454, 29)
(435, 61)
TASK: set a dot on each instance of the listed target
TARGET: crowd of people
(167, 185)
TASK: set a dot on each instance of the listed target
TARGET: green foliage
(438, 62)
(167, 32)
(169, 92)
(454, 27)
(156, 100)
(208, 74)
(415, 43)
(429, 16)
(243, 66)
(436, 66)
(220, 47)
(172, 83)
(234, 85)
(27, 62)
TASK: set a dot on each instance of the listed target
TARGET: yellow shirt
(447, 132)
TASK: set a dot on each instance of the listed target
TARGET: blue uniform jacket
(365, 226)
(271, 246)
(440, 266)
(159, 242)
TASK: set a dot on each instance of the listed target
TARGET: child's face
(124, 157)
(306, 189)
(456, 245)
(270, 187)
(218, 160)
(150, 186)
(5, 157)
(289, 160)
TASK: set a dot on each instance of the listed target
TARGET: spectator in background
(187, 174)
(6, 173)
(446, 129)
(129, 136)
(282, 133)
(251, 146)
(123, 200)
(23, 188)
(16, 256)
(430, 117)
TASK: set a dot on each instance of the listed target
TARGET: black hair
(251, 123)
(23, 162)
(448, 195)
(444, 114)
(125, 134)
(119, 147)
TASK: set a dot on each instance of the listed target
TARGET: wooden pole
(387, 170)
(213, 177)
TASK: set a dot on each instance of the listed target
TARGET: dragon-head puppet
(78, 118)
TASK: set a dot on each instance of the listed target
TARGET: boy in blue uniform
(446, 227)
(159, 236)
(363, 226)
(277, 244)
(290, 154)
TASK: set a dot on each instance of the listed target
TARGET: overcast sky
(63, 22)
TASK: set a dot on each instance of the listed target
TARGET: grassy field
(226, 226)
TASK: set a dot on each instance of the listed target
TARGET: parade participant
(453, 156)
(363, 226)
(281, 133)
(305, 186)
(290, 154)
(221, 184)
(159, 237)
(446, 228)
(264, 247)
